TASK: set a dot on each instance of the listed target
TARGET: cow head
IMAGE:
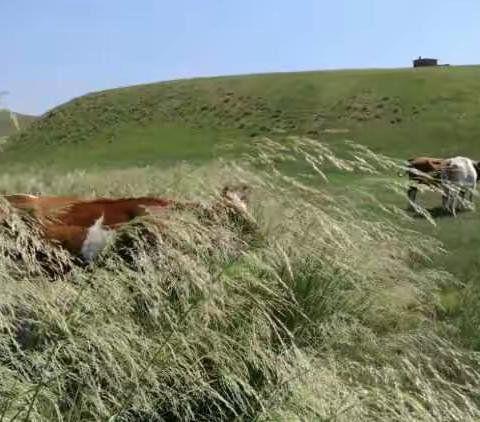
(237, 194)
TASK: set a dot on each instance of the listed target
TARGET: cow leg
(471, 202)
(412, 195)
(445, 198)
(461, 195)
(450, 202)
(449, 199)
(467, 197)
(453, 203)
(469, 189)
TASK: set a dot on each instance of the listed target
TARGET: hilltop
(8, 125)
(400, 112)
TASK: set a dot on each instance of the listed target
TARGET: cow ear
(244, 191)
(241, 191)
(225, 191)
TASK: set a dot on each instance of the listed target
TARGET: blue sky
(54, 50)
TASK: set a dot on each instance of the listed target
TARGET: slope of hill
(9, 125)
(405, 112)
(326, 314)
(401, 112)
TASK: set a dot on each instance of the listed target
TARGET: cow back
(425, 169)
(114, 211)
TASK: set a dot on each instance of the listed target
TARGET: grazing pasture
(401, 113)
(339, 305)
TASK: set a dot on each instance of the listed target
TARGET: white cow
(459, 176)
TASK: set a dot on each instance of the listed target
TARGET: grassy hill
(432, 111)
(8, 126)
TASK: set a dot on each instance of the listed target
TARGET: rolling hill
(433, 111)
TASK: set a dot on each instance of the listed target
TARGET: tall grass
(303, 310)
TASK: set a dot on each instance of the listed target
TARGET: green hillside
(400, 112)
(8, 126)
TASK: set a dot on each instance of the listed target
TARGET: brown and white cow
(83, 227)
(434, 172)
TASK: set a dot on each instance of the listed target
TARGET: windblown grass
(314, 312)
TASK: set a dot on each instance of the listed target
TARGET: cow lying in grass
(83, 227)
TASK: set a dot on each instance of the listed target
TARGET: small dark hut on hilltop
(423, 61)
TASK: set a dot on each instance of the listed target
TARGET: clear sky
(54, 50)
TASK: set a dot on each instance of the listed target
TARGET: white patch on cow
(95, 240)
(237, 200)
(458, 177)
(26, 195)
